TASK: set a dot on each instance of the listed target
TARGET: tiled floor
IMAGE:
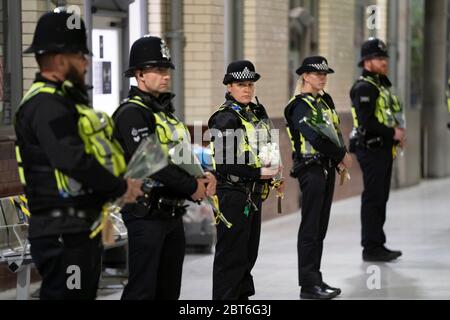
(418, 224)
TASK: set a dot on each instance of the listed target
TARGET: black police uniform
(236, 249)
(155, 226)
(315, 170)
(374, 155)
(47, 134)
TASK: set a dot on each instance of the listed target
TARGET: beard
(76, 77)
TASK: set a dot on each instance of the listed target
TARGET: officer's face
(243, 92)
(155, 80)
(379, 65)
(77, 67)
(317, 80)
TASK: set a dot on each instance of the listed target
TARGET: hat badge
(165, 52)
(381, 46)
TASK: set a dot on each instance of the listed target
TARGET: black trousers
(237, 247)
(376, 166)
(317, 187)
(155, 255)
(69, 264)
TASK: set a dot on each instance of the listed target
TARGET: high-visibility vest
(388, 109)
(169, 129)
(95, 129)
(319, 109)
(249, 138)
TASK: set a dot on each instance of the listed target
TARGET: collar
(231, 100)
(40, 78)
(380, 79)
(158, 104)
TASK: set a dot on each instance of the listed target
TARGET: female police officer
(315, 159)
(240, 183)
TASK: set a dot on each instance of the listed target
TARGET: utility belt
(308, 160)
(358, 139)
(156, 207)
(249, 186)
(85, 214)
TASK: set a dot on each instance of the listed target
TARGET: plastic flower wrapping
(186, 157)
(148, 159)
(269, 153)
(324, 126)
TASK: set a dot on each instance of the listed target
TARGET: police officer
(377, 131)
(68, 162)
(155, 226)
(242, 183)
(316, 157)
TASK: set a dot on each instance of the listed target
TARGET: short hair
(45, 61)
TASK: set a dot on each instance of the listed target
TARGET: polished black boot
(327, 287)
(396, 253)
(380, 254)
(317, 292)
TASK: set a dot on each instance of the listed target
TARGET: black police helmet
(59, 31)
(372, 48)
(148, 51)
(314, 64)
(240, 71)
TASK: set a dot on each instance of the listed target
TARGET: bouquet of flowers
(323, 125)
(148, 159)
(269, 153)
(184, 156)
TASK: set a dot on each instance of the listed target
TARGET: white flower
(269, 155)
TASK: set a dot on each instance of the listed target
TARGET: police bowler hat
(148, 51)
(55, 33)
(372, 48)
(240, 71)
(314, 64)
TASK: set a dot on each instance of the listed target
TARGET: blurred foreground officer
(316, 157)
(378, 128)
(155, 226)
(68, 161)
(242, 185)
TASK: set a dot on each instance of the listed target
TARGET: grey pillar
(12, 30)
(407, 168)
(233, 37)
(176, 35)
(437, 137)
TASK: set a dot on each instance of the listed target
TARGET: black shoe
(397, 253)
(380, 255)
(327, 287)
(317, 292)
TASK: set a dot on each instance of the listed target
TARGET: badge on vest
(365, 99)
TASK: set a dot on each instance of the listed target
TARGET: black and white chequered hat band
(244, 74)
(319, 66)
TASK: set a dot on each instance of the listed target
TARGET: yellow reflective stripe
(213, 160)
(138, 102)
(303, 145)
(58, 182)
(355, 118)
(291, 138)
(20, 166)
